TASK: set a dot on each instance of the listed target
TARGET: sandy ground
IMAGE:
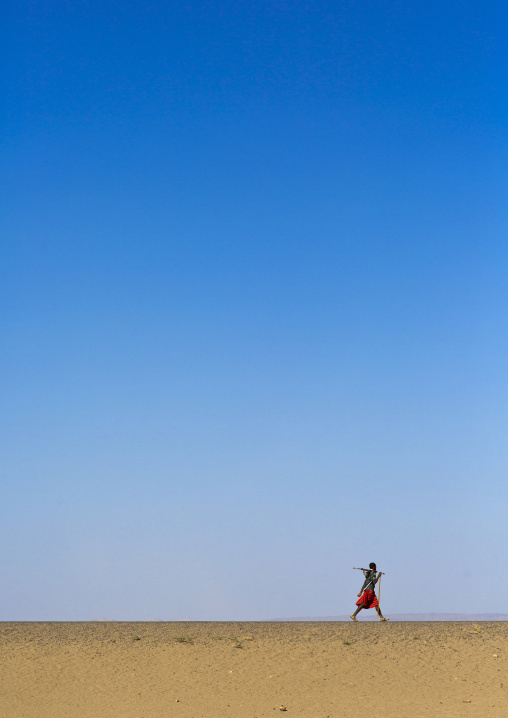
(248, 670)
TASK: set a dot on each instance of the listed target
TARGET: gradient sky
(253, 307)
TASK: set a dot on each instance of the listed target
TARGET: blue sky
(254, 278)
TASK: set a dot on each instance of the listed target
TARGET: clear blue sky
(253, 300)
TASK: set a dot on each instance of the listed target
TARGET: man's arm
(365, 572)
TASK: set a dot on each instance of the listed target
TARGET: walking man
(367, 598)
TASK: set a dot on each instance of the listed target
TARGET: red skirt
(369, 600)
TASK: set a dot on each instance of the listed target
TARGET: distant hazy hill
(371, 616)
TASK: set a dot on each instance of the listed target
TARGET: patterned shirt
(368, 584)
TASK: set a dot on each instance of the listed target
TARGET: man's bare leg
(354, 615)
(381, 617)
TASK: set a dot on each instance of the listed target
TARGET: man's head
(372, 566)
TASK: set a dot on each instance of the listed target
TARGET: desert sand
(248, 670)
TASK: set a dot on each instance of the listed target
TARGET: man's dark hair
(372, 566)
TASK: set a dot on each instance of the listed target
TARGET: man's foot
(382, 618)
(353, 617)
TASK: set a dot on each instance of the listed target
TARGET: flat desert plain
(244, 670)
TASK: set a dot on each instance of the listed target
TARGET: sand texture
(244, 670)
